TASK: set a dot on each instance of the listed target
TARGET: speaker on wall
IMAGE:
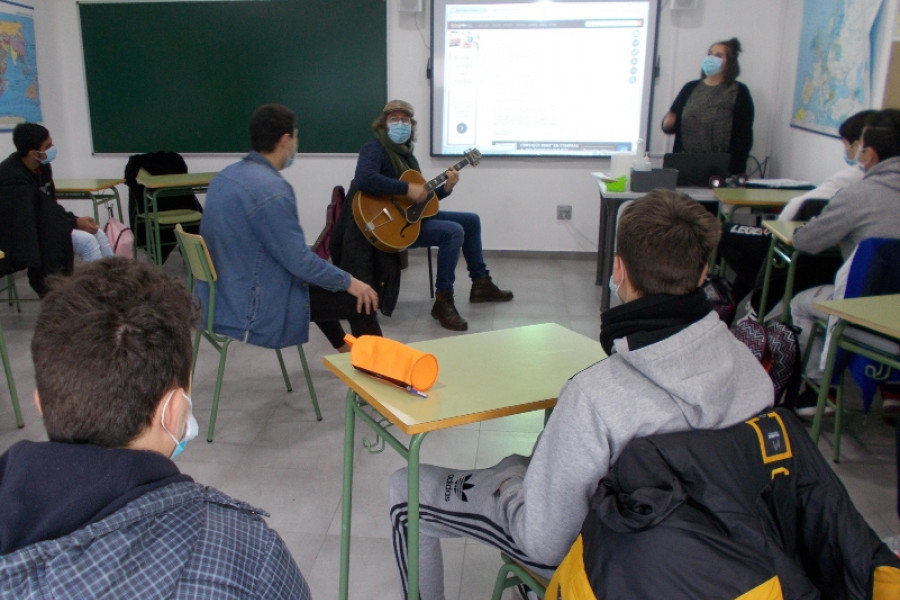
(410, 6)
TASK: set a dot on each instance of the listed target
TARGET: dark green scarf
(401, 155)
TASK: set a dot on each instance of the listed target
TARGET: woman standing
(715, 113)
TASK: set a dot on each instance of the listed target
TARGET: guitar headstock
(473, 156)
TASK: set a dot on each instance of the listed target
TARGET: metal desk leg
(770, 256)
(609, 215)
(347, 493)
(825, 385)
(789, 289)
(13, 397)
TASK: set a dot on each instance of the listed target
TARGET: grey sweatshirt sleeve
(829, 228)
(545, 511)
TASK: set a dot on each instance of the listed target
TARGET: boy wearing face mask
(100, 510)
(44, 237)
(381, 162)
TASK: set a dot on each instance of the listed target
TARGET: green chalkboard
(186, 76)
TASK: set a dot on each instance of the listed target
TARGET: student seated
(752, 511)
(27, 177)
(673, 366)
(744, 248)
(867, 209)
(101, 510)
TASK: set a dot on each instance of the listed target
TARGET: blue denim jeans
(452, 232)
(90, 246)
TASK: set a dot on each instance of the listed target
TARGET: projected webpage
(542, 78)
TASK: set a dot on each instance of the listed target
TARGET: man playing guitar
(382, 160)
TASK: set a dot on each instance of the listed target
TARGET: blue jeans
(90, 246)
(450, 232)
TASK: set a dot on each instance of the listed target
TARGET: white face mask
(191, 428)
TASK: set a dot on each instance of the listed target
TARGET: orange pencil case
(392, 361)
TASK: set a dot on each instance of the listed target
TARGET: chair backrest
(196, 256)
(332, 212)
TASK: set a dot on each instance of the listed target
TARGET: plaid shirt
(180, 541)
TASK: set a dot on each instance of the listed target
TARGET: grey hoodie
(869, 208)
(699, 378)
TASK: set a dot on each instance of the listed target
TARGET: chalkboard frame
(186, 76)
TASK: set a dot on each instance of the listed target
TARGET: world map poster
(834, 65)
(19, 93)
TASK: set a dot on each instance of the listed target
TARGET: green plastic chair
(199, 264)
(512, 573)
(13, 396)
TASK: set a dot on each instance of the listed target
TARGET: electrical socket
(563, 212)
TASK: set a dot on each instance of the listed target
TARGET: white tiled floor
(270, 451)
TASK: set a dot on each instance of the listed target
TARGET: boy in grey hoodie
(672, 366)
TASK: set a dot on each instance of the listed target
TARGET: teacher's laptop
(696, 168)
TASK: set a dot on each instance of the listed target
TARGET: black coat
(35, 231)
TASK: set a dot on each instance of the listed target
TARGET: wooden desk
(610, 203)
(97, 191)
(482, 376)
(160, 186)
(733, 198)
(880, 314)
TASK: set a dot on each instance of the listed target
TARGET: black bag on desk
(156, 163)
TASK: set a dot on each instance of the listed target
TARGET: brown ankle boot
(484, 290)
(445, 311)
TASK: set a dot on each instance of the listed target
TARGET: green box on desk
(644, 181)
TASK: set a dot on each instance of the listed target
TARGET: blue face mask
(712, 65)
(191, 428)
(399, 132)
(49, 155)
(614, 288)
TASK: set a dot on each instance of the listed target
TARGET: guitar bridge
(370, 225)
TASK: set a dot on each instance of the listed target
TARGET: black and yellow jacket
(751, 512)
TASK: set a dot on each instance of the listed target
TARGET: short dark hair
(268, 123)
(28, 137)
(882, 133)
(732, 67)
(665, 240)
(109, 341)
(851, 129)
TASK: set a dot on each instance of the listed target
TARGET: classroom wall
(516, 198)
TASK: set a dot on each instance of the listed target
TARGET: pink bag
(121, 238)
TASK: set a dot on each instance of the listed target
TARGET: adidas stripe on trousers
(454, 503)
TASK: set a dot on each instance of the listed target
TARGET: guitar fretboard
(437, 181)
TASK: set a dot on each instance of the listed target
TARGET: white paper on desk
(778, 183)
(604, 177)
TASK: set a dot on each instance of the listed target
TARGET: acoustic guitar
(392, 223)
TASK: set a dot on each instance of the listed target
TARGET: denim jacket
(263, 263)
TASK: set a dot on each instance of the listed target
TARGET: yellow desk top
(481, 376)
(783, 230)
(755, 196)
(170, 181)
(85, 185)
(878, 313)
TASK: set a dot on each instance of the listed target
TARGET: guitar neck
(437, 181)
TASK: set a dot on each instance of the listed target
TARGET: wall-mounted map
(835, 62)
(19, 93)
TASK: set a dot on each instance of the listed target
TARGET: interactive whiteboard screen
(545, 78)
